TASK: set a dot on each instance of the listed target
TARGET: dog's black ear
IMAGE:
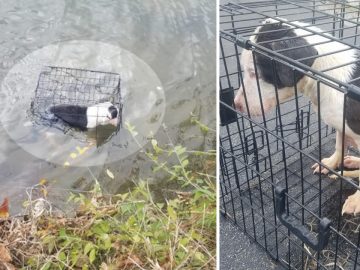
(285, 72)
(113, 111)
(284, 76)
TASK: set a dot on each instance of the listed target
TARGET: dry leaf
(110, 174)
(39, 208)
(4, 209)
(4, 254)
(43, 182)
(132, 260)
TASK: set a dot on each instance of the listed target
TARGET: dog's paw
(330, 162)
(346, 174)
(316, 168)
(352, 204)
(351, 162)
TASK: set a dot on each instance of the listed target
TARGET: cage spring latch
(295, 226)
(243, 42)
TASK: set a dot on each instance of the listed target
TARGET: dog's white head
(102, 114)
(262, 76)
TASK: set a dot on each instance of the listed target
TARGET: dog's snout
(238, 106)
(239, 101)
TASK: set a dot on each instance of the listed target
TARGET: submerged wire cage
(267, 185)
(70, 86)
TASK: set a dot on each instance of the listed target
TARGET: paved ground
(239, 253)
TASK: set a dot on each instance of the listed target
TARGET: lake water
(165, 53)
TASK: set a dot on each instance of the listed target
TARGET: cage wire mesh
(80, 87)
(260, 156)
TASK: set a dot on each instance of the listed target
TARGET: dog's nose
(238, 106)
(238, 102)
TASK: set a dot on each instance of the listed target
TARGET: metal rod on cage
(319, 11)
(241, 84)
(245, 158)
(330, 38)
(306, 208)
(322, 17)
(342, 15)
(343, 65)
(314, 159)
(268, 148)
(222, 165)
(272, 190)
(224, 62)
(238, 65)
(235, 175)
(357, 250)
(223, 206)
(334, 20)
(341, 179)
(273, 66)
(227, 8)
(308, 137)
(246, 171)
(301, 161)
(254, 139)
(306, 106)
(322, 55)
(319, 139)
(327, 80)
(283, 10)
(293, 24)
(232, 198)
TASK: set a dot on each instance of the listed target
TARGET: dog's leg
(352, 203)
(348, 174)
(334, 160)
(351, 162)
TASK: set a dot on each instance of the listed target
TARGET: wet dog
(320, 53)
(84, 117)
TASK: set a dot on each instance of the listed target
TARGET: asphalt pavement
(238, 252)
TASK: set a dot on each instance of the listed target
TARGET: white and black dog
(85, 117)
(279, 36)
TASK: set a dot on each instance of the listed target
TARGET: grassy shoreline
(125, 231)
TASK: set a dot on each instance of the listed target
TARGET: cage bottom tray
(251, 207)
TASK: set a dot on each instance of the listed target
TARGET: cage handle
(297, 228)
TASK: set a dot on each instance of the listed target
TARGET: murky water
(142, 97)
(175, 41)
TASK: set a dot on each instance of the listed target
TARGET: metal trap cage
(267, 185)
(80, 87)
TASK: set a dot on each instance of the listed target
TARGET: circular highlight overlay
(142, 97)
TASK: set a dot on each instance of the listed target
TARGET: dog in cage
(84, 117)
(264, 85)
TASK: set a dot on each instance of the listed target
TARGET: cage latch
(295, 226)
(354, 92)
(243, 42)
